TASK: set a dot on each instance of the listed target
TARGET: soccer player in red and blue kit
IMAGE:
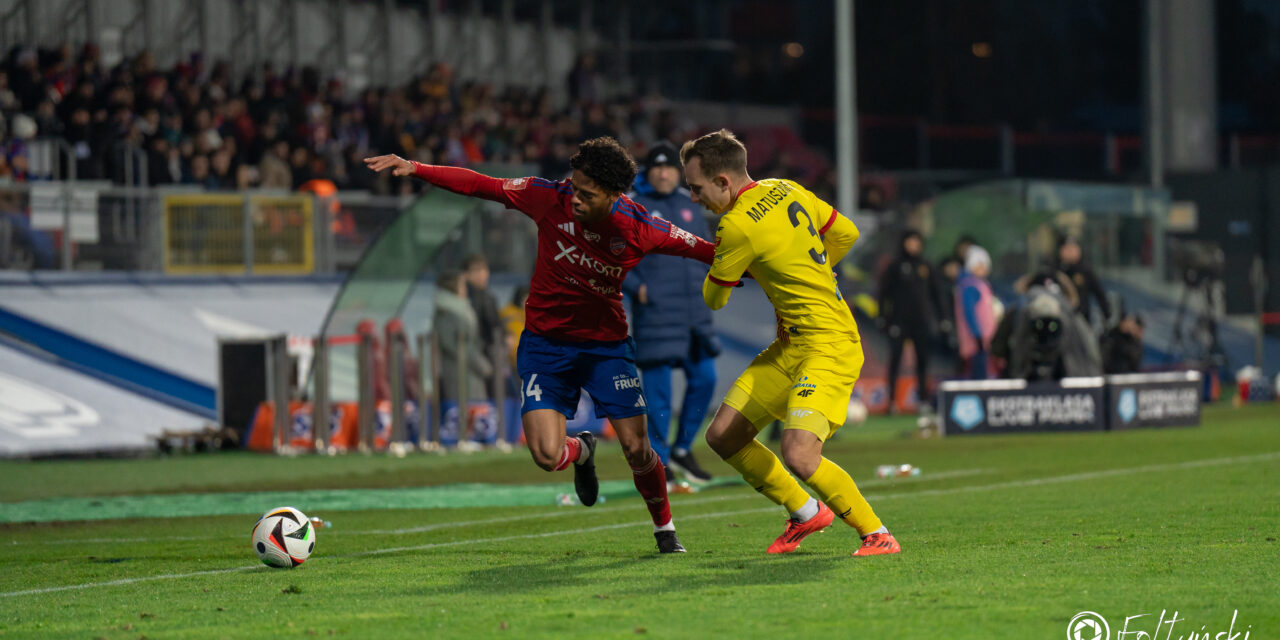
(589, 236)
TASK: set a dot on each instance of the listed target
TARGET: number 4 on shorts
(533, 390)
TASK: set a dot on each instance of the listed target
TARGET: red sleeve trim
(830, 221)
(723, 283)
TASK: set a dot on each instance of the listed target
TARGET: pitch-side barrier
(1111, 402)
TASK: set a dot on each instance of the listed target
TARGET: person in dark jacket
(1085, 280)
(465, 404)
(909, 311)
(1122, 345)
(489, 322)
(1078, 283)
(669, 322)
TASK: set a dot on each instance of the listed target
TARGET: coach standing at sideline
(671, 325)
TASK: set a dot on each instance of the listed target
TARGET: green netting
(388, 273)
(1120, 225)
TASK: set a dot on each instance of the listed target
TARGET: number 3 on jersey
(794, 212)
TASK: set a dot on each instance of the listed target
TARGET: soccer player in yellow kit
(788, 239)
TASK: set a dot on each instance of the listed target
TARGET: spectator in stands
(463, 363)
(274, 167)
(669, 321)
(908, 300)
(299, 117)
(975, 314)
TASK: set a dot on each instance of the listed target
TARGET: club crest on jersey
(617, 245)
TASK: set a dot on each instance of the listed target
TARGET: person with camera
(1068, 274)
(1122, 345)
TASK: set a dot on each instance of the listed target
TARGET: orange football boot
(878, 544)
(796, 531)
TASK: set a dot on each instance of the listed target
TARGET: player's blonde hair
(719, 152)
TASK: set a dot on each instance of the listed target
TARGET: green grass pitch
(1003, 537)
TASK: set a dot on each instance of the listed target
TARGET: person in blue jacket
(669, 322)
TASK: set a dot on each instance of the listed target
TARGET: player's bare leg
(802, 452)
(733, 437)
(551, 450)
(544, 433)
(650, 478)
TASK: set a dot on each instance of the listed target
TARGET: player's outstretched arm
(461, 181)
(686, 245)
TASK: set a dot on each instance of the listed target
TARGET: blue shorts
(553, 373)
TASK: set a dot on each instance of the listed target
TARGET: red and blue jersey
(575, 293)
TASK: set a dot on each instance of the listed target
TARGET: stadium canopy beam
(624, 40)
(282, 31)
(74, 14)
(1153, 26)
(506, 22)
(29, 31)
(244, 51)
(139, 22)
(427, 50)
(547, 23)
(846, 109)
(192, 26)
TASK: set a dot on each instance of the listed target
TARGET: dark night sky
(1053, 64)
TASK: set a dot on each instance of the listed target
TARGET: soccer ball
(283, 538)
(857, 413)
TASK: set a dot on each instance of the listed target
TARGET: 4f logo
(804, 393)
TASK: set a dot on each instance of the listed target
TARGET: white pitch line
(1074, 477)
(112, 583)
(1088, 475)
(941, 475)
(374, 552)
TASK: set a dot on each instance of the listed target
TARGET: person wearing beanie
(671, 326)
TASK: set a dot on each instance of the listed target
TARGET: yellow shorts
(789, 376)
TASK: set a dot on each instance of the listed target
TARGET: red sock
(651, 480)
(568, 454)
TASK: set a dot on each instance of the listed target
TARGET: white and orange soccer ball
(283, 538)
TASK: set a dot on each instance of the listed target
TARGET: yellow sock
(764, 471)
(834, 486)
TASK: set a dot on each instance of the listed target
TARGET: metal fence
(97, 226)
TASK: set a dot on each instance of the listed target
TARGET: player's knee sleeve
(741, 401)
(810, 420)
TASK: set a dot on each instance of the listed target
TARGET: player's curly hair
(606, 163)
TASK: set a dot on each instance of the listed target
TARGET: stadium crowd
(197, 123)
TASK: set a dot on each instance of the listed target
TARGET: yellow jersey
(789, 240)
